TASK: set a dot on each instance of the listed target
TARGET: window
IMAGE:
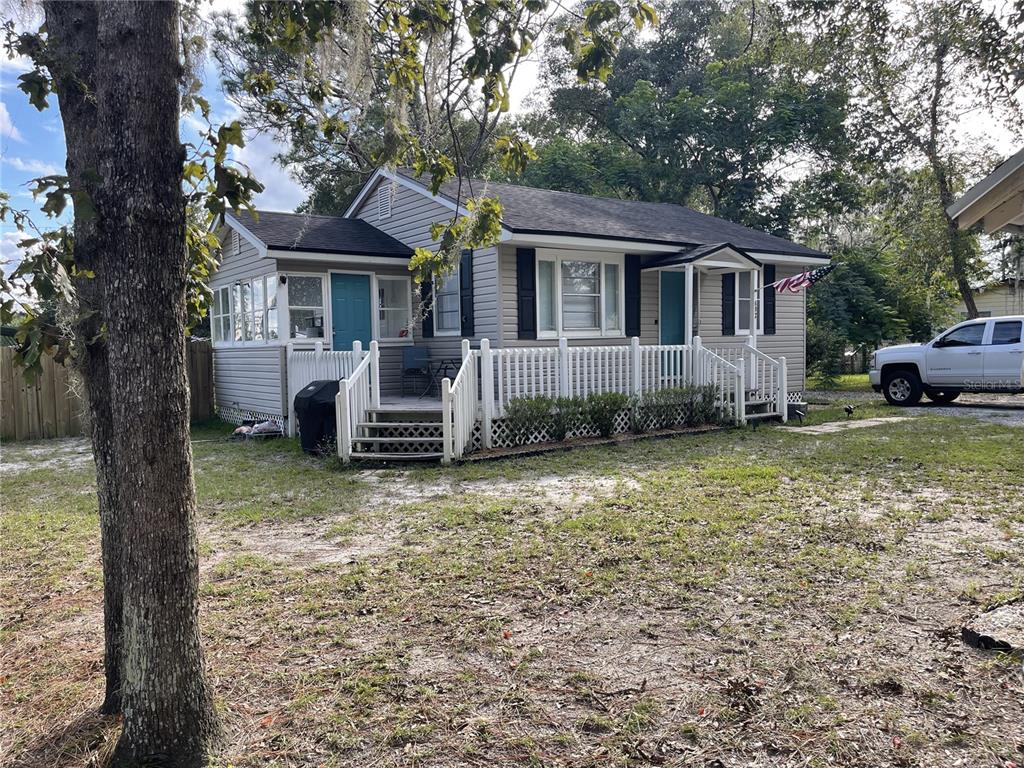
(272, 281)
(305, 307)
(1007, 332)
(384, 201)
(581, 297)
(447, 309)
(258, 309)
(965, 336)
(744, 303)
(546, 310)
(236, 311)
(394, 306)
(220, 315)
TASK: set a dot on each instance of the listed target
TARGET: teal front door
(350, 311)
(672, 314)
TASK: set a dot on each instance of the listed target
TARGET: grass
(847, 382)
(749, 596)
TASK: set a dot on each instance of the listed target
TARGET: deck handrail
(357, 394)
(459, 406)
(712, 369)
(764, 375)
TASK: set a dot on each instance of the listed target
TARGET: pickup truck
(982, 355)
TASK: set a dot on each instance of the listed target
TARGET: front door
(351, 318)
(672, 315)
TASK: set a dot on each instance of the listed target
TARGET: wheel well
(894, 367)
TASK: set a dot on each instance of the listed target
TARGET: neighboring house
(996, 203)
(594, 271)
(1001, 297)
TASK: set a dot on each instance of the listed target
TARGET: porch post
(688, 304)
(374, 375)
(563, 367)
(696, 368)
(293, 428)
(446, 420)
(487, 385)
(755, 303)
(343, 426)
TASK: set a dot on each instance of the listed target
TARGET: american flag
(797, 283)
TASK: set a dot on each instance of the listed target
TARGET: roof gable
(320, 234)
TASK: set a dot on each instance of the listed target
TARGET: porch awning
(723, 255)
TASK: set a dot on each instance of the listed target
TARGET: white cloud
(8, 130)
(33, 166)
(282, 192)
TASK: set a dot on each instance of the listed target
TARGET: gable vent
(235, 242)
(384, 201)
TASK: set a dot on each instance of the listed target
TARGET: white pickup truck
(983, 355)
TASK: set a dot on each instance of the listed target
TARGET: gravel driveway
(1007, 410)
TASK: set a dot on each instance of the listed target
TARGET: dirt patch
(63, 453)
(840, 426)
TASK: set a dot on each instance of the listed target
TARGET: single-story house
(997, 298)
(592, 271)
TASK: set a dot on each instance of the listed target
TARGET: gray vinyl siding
(789, 340)
(248, 378)
(996, 300)
(239, 261)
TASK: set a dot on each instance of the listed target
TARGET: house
(999, 297)
(568, 271)
(996, 203)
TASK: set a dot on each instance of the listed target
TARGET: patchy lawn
(738, 598)
(847, 382)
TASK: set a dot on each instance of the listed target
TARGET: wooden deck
(409, 403)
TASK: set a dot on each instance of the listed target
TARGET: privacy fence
(53, 405)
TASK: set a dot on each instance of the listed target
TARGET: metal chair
(415, 367)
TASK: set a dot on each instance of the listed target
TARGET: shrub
(602, 410)
(569, 414)
(523, 415)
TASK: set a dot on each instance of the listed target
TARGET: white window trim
(557, 257)
(374, 308)
(755, 303)
(282, 312)
(457, 277)
(391, 340)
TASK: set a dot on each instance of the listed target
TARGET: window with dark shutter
(769, 299)
(466, 293)
(729, 304)
(526, 291)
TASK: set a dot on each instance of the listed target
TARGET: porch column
(755, 305)
(688, 307)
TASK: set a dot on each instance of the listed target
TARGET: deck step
(369, 456)
(389, 415)
(761, 416)
(399, 424)
(417, 440)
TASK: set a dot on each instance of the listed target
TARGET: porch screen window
(305, 307)
(258, 309)
(744, 303)
(220, 315)
(394, 300)
(271, 307)
(447, 311)
(581, 295)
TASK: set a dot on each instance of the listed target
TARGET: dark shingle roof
(324, 234)
(527, 210)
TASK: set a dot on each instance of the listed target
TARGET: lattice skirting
(795, 397)
(242, 415)
(505, 434)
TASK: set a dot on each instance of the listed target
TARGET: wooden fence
(53, 405)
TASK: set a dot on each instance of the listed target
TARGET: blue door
(673, 308)
(350, 311)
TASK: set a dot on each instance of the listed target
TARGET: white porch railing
(727, 378)
(357, 394)
(308, 365)
(763, 374)
(459, 403)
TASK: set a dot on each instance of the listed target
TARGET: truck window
(967, 336)
(1006, 332)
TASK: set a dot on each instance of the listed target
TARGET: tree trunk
(957, 240)
(72, 30)
(168, 712)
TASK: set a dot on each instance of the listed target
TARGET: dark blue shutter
(427, 302)
(769, 300)
(632, 295)
(466, 293)
(729, 304)
(526, 291)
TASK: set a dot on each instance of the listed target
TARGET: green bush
(602, 410)
(678, 406)
(523, 415)
(569, 414)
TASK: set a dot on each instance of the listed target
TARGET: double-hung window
(744, 303)
(220, 314)
(447, 306)
(394, 307)
(579, 295)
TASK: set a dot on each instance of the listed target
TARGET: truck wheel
(901, 388)
(941, 396)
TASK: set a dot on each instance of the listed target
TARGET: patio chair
(415, 370)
